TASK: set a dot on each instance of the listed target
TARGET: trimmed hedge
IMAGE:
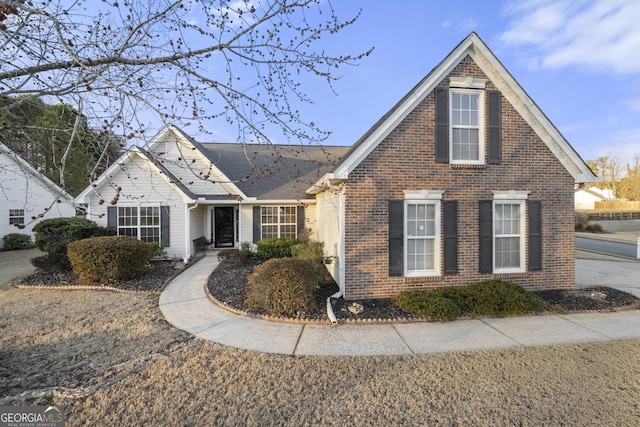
(495, 298)
(275, 248)
(15, 241)
(282, 287)
(54, 234)
(109, 258)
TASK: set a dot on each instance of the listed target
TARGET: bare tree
(174, 60)
(130, 67)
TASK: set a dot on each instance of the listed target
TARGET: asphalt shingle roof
(270, 172)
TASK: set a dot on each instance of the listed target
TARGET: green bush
(14, 241)
(432, 304)
(247, 249)
(494, 298)
(157, 250)
(275, 248)
(282, 287)
(53, 235)
(109, 258)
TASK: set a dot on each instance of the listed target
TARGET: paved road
(607, 247)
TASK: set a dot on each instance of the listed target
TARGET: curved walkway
(185, 305)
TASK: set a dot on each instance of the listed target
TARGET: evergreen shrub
(109, 258)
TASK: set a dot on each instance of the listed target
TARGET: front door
(224, 225)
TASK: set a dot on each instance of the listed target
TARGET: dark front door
(224, 227)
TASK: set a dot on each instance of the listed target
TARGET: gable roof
(27, 168)
(474, 47)
(273, 172)
(248, 171)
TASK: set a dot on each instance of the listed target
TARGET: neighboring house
(27, 196)
(463, 180)
(586, 197)
(176, 190)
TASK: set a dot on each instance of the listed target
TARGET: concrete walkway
(185, 305)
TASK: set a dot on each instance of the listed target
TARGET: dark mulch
(157, 276)
(228, 285)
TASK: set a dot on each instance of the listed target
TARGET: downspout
(341, 218)
(187, 232)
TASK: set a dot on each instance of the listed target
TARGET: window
(279, 221)
(142, 223)
(422, 233)
(16, 216)
(509, 236)
(466, 126)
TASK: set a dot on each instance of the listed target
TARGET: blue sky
(578, 60)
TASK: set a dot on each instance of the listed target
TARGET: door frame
(214, 228)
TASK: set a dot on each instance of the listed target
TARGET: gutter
(340, 293)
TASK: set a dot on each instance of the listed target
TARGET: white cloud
(602, 35)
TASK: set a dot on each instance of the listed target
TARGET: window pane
(150, 234)
(16, 216)
(507, 252)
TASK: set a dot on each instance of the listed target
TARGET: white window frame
(511, 198)
(427, 198)
(480, 127)
(279, 224)
(16, 216)
(137, 222)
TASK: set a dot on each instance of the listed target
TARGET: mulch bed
(227, 284)
(157, 276)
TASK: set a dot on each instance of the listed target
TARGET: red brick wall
(405, 160)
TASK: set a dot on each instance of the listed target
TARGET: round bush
(282, 287)
(109, 258)
(14, 241)
(54, 234)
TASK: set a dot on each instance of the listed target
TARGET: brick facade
(405, 160)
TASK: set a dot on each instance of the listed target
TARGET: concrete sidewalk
(185, 305)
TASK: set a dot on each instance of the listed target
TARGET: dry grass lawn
(111, 359)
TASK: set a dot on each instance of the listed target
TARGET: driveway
(15, 264)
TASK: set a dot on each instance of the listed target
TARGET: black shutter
(535, 235)
(494, 131)
(485, 244)
(257, 222)
(112, 218)
(442, 125)
(300, 219)
(450, 226)
(396, 237)
(164, 226)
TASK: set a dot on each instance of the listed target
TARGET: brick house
(463, 180)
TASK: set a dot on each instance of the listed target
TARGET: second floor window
(466, 126)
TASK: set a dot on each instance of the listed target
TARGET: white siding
(142, 186)
(328, 229)
(246, 224)
(190, 167)
(311, 221)
(21, 188)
